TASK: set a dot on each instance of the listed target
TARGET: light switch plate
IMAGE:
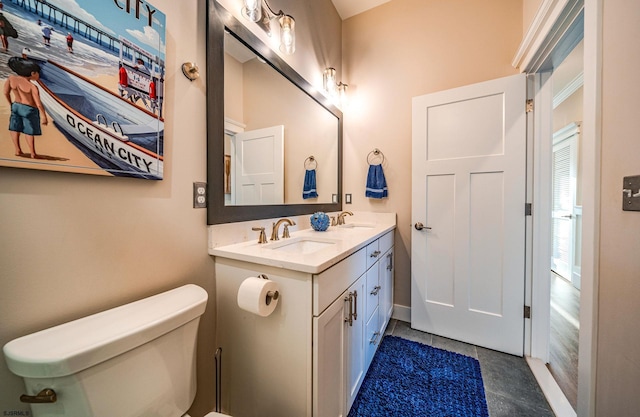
(631, 187)
(347, 198)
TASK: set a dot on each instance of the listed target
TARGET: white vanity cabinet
(310, 356)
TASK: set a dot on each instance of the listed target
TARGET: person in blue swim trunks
(26, 106)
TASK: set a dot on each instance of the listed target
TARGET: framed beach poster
(83, 86)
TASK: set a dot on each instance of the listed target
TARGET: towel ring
(310, 163)
(376, 153)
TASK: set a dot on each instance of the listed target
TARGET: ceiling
(348, 8)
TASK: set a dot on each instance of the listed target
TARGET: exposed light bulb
(252, 10)
(329, 80)
(287, 34)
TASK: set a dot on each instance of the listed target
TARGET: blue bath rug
(409, 379)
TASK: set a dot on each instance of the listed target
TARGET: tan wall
(309, 129)
(529, 10)
(407, 48)
(73, 245)
(568, 111)
(618, 354)
(233, 96)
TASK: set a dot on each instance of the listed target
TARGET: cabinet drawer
(329, 284)
(385, 242)
(373, 253)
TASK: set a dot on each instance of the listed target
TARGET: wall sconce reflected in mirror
(331, 84)
(260, 12)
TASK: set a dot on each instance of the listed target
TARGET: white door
(468, 173)
(259, 166)
(564, 213)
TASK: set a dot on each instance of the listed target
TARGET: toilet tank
(134, 360)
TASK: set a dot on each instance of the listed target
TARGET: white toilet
(134, 360)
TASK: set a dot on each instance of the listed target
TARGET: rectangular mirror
(274, 133)
(267, 126)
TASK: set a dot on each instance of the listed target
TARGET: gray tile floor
(509, 385)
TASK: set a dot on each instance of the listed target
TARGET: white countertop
(340, 243)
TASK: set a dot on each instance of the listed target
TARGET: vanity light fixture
(331, 85)
(260, 12)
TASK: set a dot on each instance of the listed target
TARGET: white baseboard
(402, 313)
(552, 392)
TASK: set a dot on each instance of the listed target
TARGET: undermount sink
(357, 226)
(300, 245)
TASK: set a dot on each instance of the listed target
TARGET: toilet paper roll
(253, 296)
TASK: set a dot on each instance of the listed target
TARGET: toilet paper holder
(271, 295)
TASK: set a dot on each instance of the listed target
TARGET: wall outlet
(347, 198)
(199, 195)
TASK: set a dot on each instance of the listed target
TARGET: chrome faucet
(341, 217)
(285, 232)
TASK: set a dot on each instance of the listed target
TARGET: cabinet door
(386, 289)
(328, 360)
(354, 341)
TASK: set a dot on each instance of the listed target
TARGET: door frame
(542, 41)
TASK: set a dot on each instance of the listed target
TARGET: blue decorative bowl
(319, 221)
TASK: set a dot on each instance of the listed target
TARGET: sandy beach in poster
(52, 146)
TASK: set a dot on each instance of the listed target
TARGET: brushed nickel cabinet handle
(349, 318)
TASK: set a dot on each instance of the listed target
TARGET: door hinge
(528, 208)
(527, 312)
(529, 105)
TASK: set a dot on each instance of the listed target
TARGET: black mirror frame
(217, 212)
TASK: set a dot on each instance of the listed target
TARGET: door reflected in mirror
(271, 128)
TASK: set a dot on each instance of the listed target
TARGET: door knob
(568, 216)
(420, 226)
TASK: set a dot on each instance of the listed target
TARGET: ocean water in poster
(83, 86)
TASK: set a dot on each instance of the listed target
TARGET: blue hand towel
(376, 183)
(309, 188)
